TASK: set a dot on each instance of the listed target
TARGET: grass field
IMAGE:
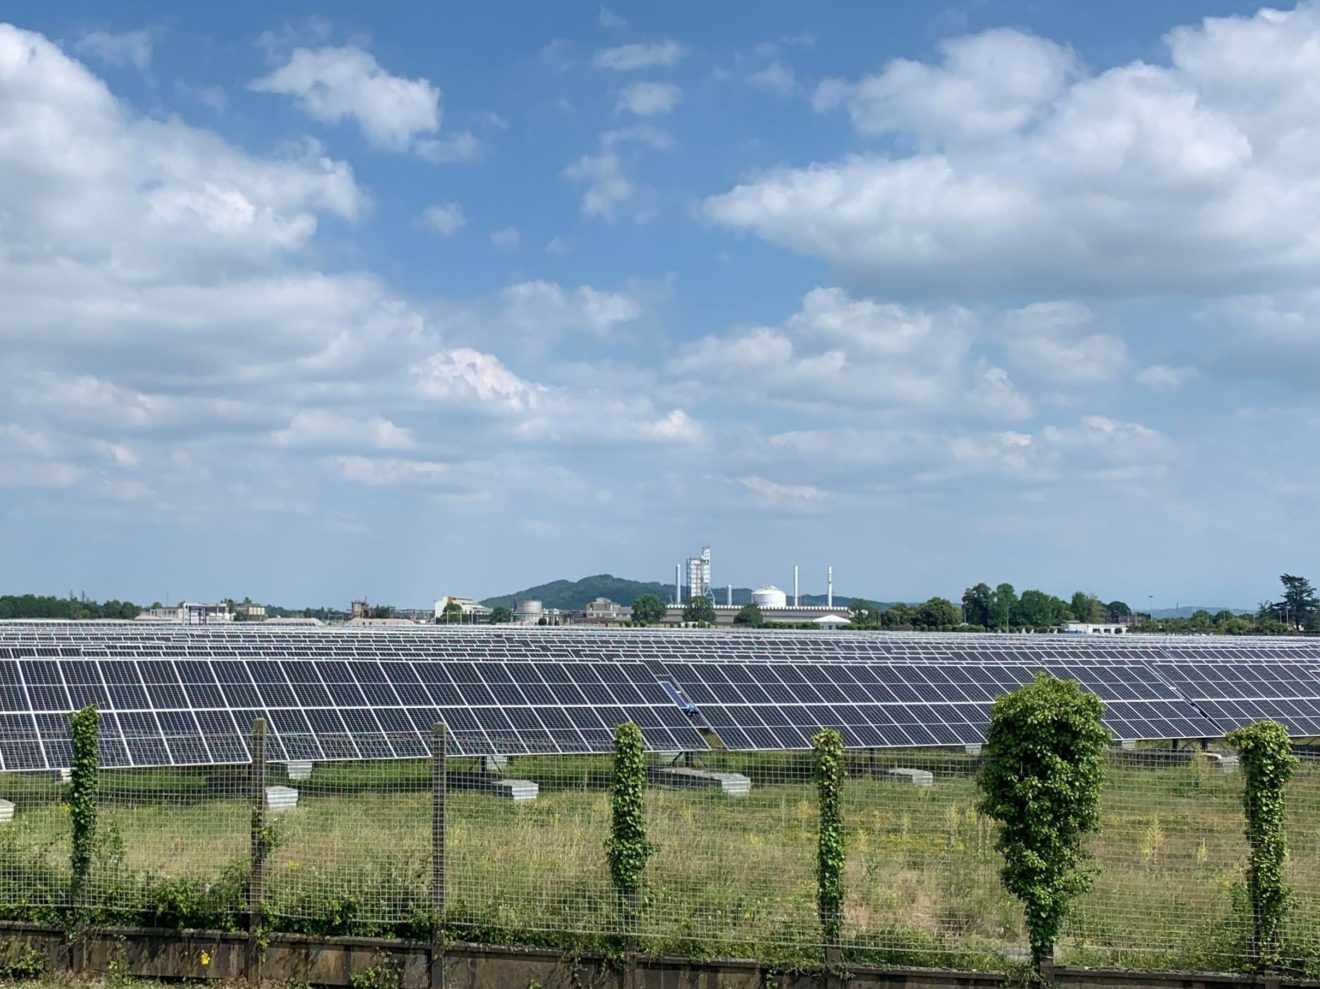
(727, 877)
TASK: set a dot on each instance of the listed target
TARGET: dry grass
(727, 876)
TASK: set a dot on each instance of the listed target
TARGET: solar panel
(187, 695)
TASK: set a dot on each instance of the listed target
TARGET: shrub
(628, 848)
(1041, 780)
(82, 800)
(830, 851)
(1267, 765)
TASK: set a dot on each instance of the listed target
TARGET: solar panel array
(177, 695)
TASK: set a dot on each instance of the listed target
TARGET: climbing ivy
(82, 798)
(627, 847)
(830, 850)
(1267, 765)
(1041, 780)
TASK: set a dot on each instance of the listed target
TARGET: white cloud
(505, 239)
(324, 428)
(609, 19)
(1029, 175)
(545, 309)
(988, 86)
(331, 84)
(626, 58)
(1162, 377)
(775, 78)
(648, 99)
(125, 48)
(559, 246)
(454, 149)
(1055, 341)
(781, 494)
(446, 219)
(838, 349)
(465, 374)
(607, 186)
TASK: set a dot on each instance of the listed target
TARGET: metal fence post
(257, 851)
(439, 752)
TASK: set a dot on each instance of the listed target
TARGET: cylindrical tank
(769, 597)
(528, 611)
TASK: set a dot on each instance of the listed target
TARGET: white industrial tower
(698, 568)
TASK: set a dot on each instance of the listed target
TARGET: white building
(188, 613)
(1087, 628)
(473, 611)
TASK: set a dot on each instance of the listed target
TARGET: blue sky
(402, 300)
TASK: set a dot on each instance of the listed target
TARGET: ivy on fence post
(628, 848)
(1267, 765)
(830, 851)
(1041, 780)
(82, 802)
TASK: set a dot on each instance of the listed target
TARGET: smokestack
(728, 596)
(795, 586)
(678, 583)
(829, 587)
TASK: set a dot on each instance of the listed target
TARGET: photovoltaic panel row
(163, 712)
(1236, 693)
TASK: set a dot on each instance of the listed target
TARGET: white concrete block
(6, 811)
(912, 777)
(300, 769)
(281, 798)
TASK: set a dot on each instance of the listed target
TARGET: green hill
(574, 595)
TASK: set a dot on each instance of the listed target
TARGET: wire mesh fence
(350, 847)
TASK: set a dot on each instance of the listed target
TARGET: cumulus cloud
(1057, 341)
(648, 99)
(446, 219)
(606, 185)
(334, 84)
(1163, 377)
(775, 78)
(628, 58)
(1029, 174)
(838, 349)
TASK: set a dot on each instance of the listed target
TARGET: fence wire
(350, 849)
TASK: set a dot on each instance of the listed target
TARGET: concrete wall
(335, 961)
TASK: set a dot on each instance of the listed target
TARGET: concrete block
(687, 777)
(300, 769)
(973, 749)
(6, 811)
(912, 777)
(281, 798)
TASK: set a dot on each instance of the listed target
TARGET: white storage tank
(528, 612)
(769, 597)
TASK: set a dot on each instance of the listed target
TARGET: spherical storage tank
(769, 597)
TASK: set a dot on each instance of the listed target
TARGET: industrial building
(473, 611)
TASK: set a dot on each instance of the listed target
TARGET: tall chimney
(728, 596)
(829, 587)
(795, 586)
(678, 583)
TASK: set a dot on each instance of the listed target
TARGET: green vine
(830, 850)
(82, 800)
(628, 848)
(1267, 765)
(1041, 780)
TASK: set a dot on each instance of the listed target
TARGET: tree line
(66, 609)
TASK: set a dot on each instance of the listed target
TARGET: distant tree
(978, 604)
(863, 613)
(1003, 607)
(699, 610)
(648, 610)
(453, 613)
(897, 616)
(1301, 606)
(1117, 611)
(499, 615)
(937, 613)
(1036, 609)
(1086, 608)
(1201, 621)
(750, 615)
